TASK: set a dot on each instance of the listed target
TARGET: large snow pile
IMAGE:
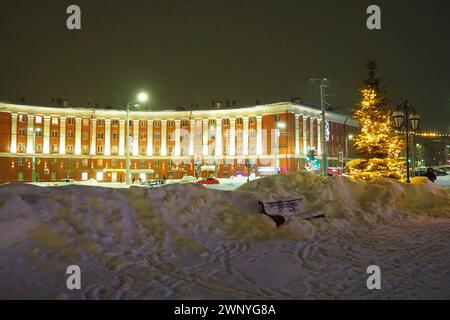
(187, 241)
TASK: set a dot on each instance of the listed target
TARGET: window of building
(85, 135)
(54, 161)
(252, 133)
(114, 136)
(226, 122)
(70, 121)
(211, 135)
(55, 121)
(100, 136)
(85, 122)
(171, 123)
(38, 147)
(54, 148)
(114, 163)
(20, 176)
(55, 133)
(252, 120)
(185, 136)
(142, 123)
(157, 137)
(84, 162)
(114, 150)
(212, 123)
(184, 123)
(20, 161)
(157, 164)
(199, 136)
(84, 176)
(85, 149)
(169, 163)
(22, 132)
(21, 147)
(70, 135)
(277, 118)
(38, 133)
(157, 124)
(99, 149)
(130, 123)
(38, 119)
(114, 123)
(99, 176)
(143, 136)
(156, 150)
(101, 122)
(22, 118)
(142, 163)
(172, 136)
(70, 148)
(170, 151)
(142, 151)
(239, 121)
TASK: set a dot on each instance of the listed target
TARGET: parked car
(208, 181)
(188, 179)
(68, 181)
(153, 183)
(445, 168)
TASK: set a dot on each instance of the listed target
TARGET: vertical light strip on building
(46, 135)
(136, 137)
(311, 132)
(107, 137)
(319, 142)
(192, 137)
(245, 137)
(122, 137)
(62, 135)
(205, 137)
(30, 133)
(93, 137)
(305, 140)
(78, 123)
(163, 138)
(177, 138)
(259, 145)
(149, 137)
(218, 140)
(297, 134)
(232, 151)
(13, 146)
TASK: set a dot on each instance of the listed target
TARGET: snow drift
(187, 241)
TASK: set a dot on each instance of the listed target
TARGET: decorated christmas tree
(377, 144)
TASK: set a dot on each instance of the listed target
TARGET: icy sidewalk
(187, 241)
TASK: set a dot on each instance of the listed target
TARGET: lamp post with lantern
(142, 98)
(405, 117)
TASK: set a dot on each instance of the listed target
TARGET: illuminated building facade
(50, 144)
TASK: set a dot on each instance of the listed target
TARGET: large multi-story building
(81, 143)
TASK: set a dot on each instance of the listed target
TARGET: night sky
(197, 51)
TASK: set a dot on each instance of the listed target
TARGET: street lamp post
(279, 126)
(141, 97)
(406, 117)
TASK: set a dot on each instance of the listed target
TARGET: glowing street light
(142, 97)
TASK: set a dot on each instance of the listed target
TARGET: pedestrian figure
(431, 175)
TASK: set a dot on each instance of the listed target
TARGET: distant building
(85, 143)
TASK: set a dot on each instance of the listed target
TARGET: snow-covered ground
(184, 241)
(443, 181)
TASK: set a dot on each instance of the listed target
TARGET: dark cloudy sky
(243, 50)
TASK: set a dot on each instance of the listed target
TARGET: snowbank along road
(187, 241)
